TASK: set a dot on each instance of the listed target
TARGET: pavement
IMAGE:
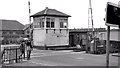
(66, 58)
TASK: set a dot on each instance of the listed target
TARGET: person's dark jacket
(22, 48)
(29, 44)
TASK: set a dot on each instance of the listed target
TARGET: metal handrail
(11, 54)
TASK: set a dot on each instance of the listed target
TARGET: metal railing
(12, 55)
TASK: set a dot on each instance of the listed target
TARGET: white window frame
(62, 20)
(50, 22)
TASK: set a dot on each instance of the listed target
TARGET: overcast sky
(78, 9)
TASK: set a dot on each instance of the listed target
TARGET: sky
(78, 9)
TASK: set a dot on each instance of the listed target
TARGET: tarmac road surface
(66, 58)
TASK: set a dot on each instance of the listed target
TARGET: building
(76, 35)
(83, 35)
(10, 31)
(27, 29)
(114, 35)
(114, 39)
(50, 28)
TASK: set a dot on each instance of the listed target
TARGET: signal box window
(50, 22)
(63, 23)
(39, 23)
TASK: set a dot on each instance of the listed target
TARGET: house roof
(10, 25)
(28, 26)
(50, 12)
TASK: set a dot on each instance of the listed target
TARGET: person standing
(22, 49)
(29, 49)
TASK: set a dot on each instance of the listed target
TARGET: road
(66, 58)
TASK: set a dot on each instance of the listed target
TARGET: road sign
(112, 14)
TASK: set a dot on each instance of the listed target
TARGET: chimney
(46, 7)
(46, 10)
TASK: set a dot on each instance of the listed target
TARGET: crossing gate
(11, 54)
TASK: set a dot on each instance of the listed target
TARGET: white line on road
(77, 52)
(80, 58)
(61, 51)
(97, 55)
(37, 53)
(53, 54)
(42, 64)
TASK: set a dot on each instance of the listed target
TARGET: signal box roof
(50, 12)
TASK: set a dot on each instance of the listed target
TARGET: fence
(12, 54)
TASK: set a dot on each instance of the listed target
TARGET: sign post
(119, 54)
(108, 47)
(0, 51)
(112, 19)
(119, 46)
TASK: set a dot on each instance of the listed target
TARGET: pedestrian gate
(12, 54)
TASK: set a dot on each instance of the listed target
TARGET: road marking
(54, 53)
(77, 52)
(37, 53)
(96, 55)
(59, 51)
(45, 55)
(42, 64)
(80, 58)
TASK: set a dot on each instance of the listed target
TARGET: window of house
(14, 32)
(50, 23)
(10, 32)
(4, 32)
(63, 23)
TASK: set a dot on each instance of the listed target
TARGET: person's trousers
(28, 54)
